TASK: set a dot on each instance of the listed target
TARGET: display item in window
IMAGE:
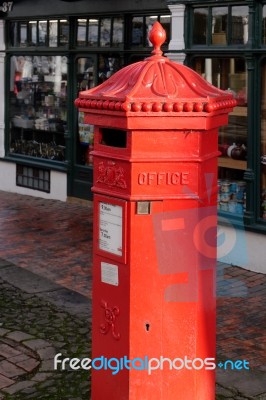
(232, 196)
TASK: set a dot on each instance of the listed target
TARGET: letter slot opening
(113, 137)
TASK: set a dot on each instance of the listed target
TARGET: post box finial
(157, 37)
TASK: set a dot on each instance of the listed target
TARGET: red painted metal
(155, 183)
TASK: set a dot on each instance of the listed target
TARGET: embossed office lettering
(163, 178)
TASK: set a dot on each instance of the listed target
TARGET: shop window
(118, 27)
(137, 31)
(23, 34)
(32, 33)
(93, 32)
(104, 32)
(200, 26)
(37, 109)
(63, 32)
(42, 33)
(230, 74)
(263, 30)
(239, 30)
(51, 33)
(81, 32)
(220, 25)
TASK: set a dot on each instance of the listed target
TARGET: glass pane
(38, 109)
(107, 67)
(263, 39)
(137, 31)
(200, 25)
(219, 25)
(32, 33)
(149, 23)
(263, 144)
(239, 25)
(81, 33)
(230, 74)
(86, 79)
(42, 33)
(93, 32)
(105, 35)
(23, 34)
(53, 31)
(118, 27)
(63, 32)
(14, 26)
(166, 23)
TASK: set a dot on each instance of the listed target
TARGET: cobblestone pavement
(32, 331)
(46, 250)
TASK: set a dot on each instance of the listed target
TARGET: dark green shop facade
(53, 50)
(225, 41)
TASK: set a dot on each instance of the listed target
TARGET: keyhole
(147, 327)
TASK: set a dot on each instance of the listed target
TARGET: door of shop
(88, 71)
(81, 138)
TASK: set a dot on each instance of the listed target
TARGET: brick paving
(53, 239)
(49, 238)
(241, 315)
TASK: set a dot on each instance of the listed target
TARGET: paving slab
(75, 303)
(251, 383)
(26, 280)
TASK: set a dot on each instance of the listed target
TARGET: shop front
(50, 52)
(225, 43)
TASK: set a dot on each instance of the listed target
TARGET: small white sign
(110, 228)
(109, 273)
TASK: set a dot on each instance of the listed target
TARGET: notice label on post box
(110, 228)
(109, 273)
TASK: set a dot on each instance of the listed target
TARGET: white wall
(242, 248)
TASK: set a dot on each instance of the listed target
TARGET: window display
(220, 25)
(230, 74)
(104, 32)
(38, 116)
(50, 33)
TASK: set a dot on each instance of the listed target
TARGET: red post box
(155, 183)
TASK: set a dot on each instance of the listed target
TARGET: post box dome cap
(156, 84)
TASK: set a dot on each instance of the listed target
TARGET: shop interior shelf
(226, 162)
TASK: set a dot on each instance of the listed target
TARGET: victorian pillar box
(154, 255)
